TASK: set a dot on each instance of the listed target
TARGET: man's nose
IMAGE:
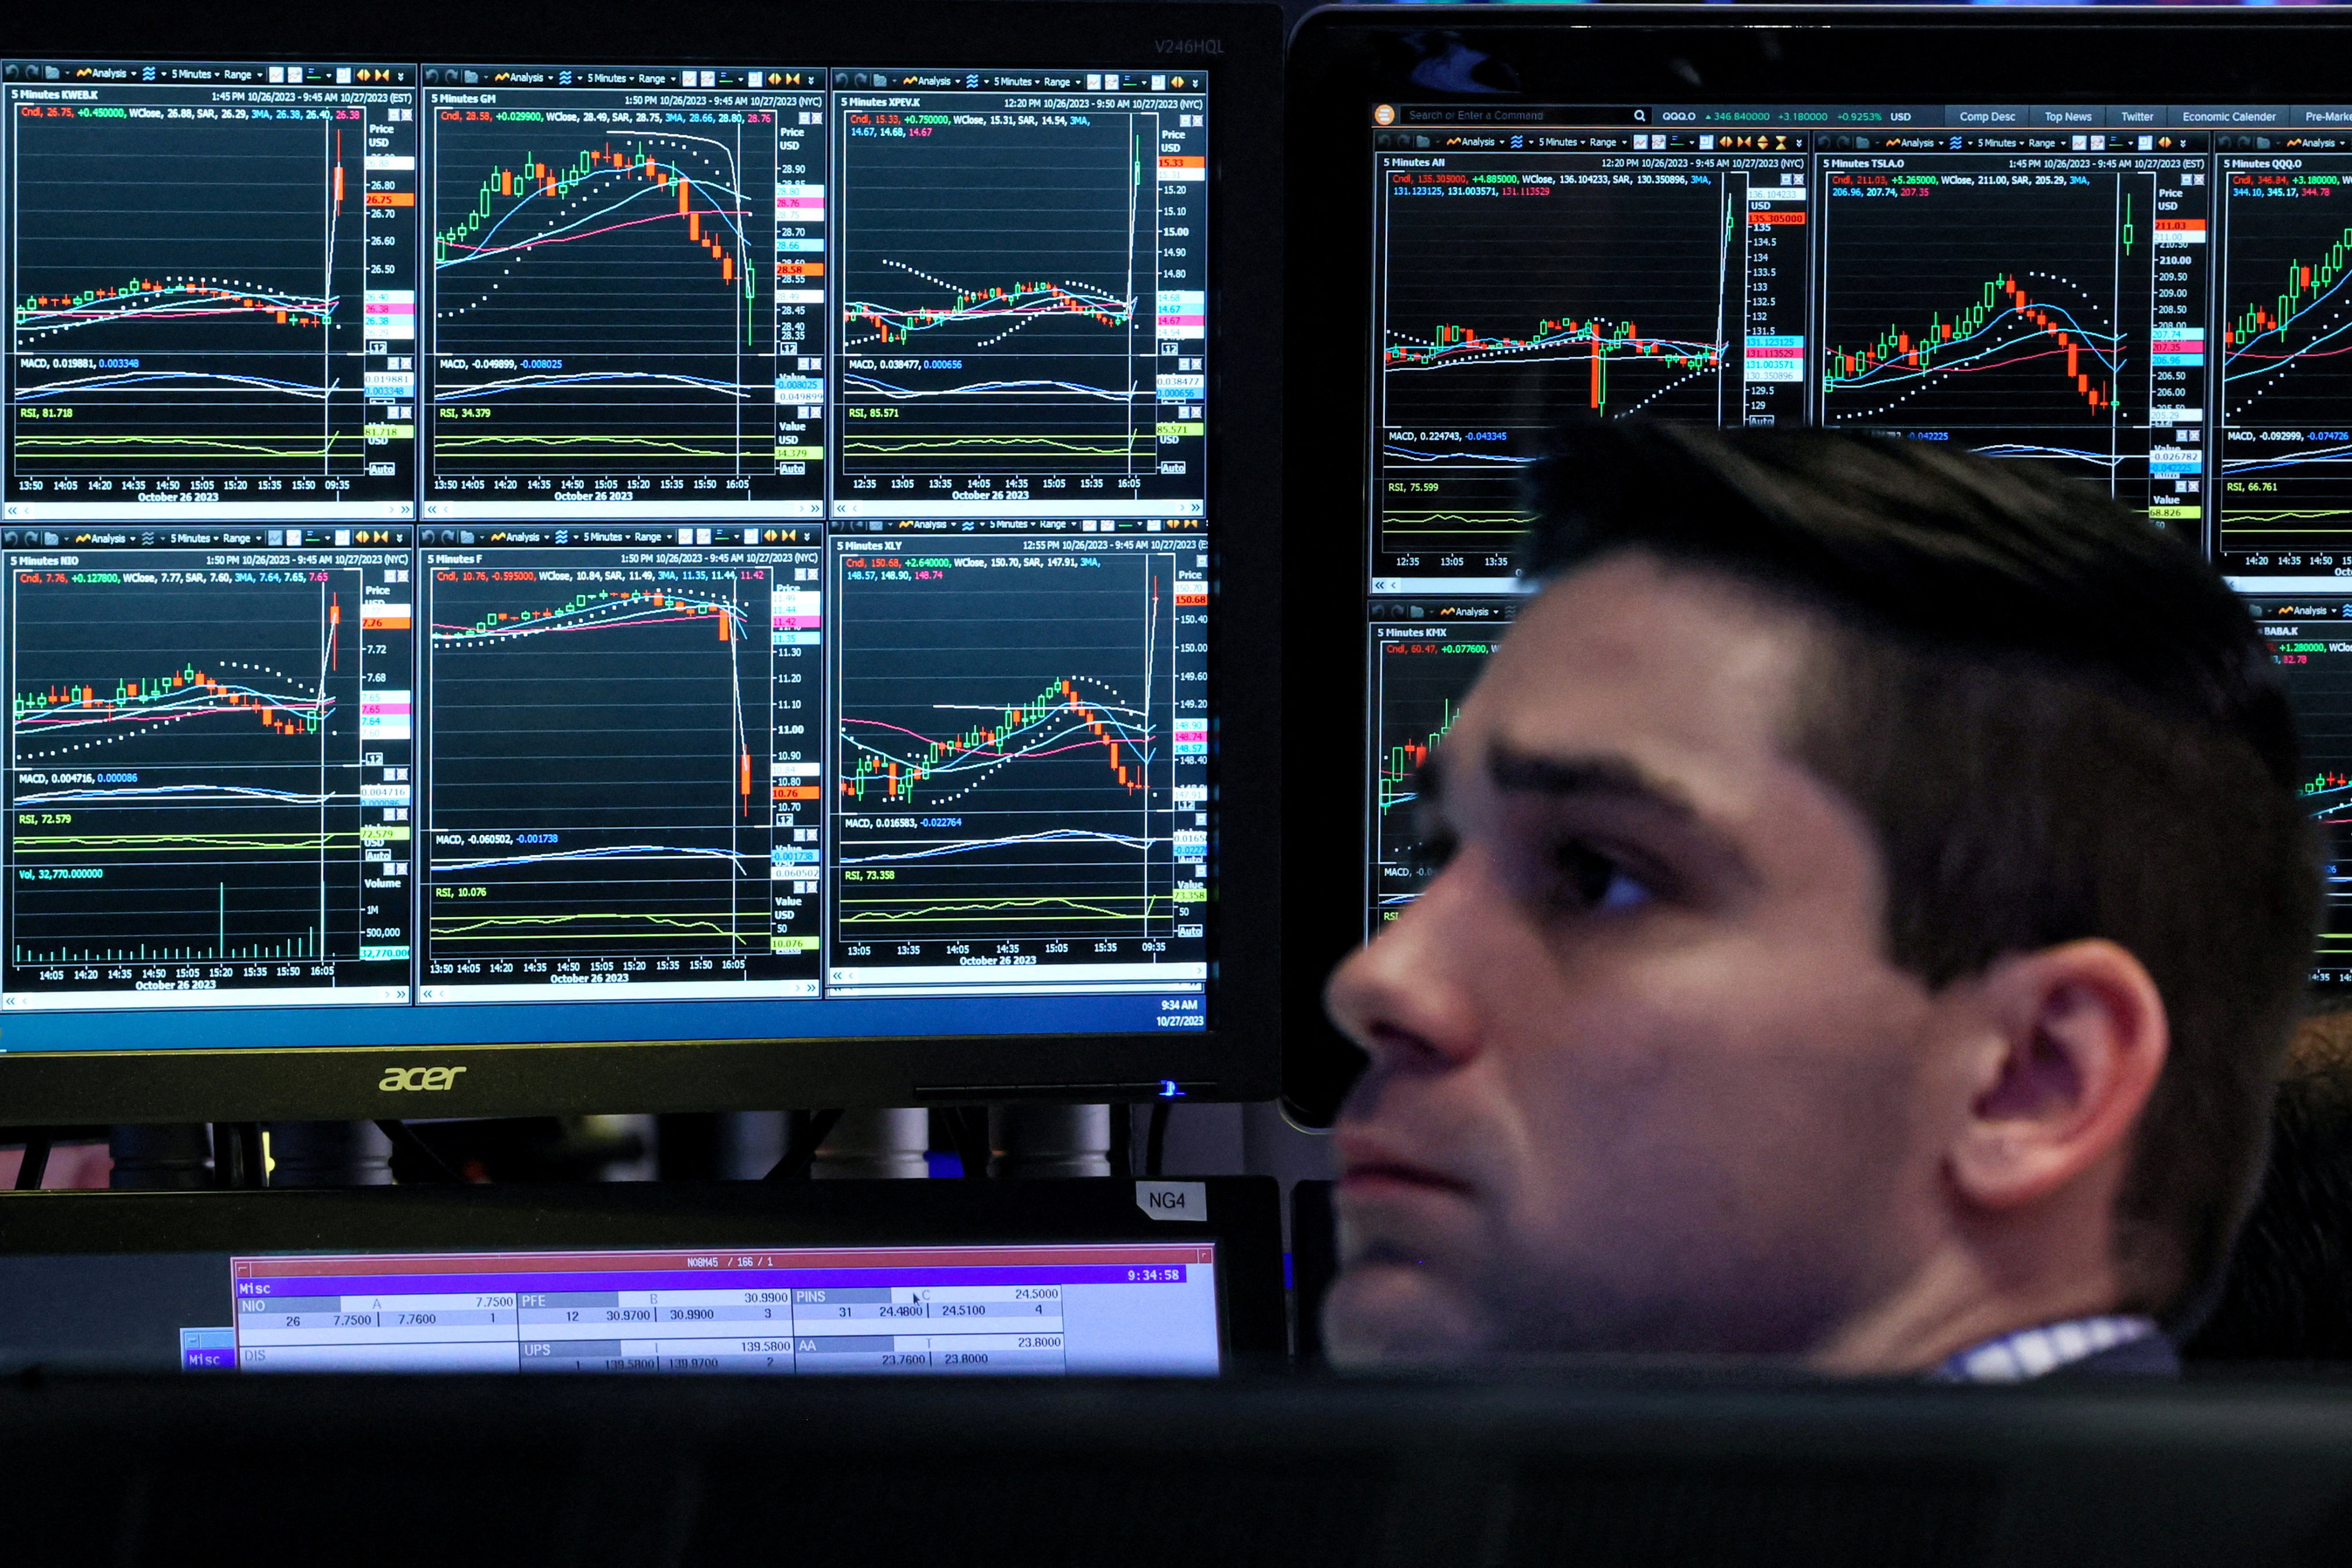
(1405, 997)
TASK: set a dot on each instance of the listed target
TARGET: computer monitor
(2104, 244)
(722, 557)
(1180, 1276)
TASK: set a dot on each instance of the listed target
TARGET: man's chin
(1382, 1313)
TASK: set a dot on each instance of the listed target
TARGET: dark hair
(2289, 1292)
(2057, 720)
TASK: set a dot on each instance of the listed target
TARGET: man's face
(1643, 1079)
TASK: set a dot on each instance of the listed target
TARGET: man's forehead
(1670, 667)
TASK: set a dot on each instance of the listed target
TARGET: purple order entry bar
(701, 1280)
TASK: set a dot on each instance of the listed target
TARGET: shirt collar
(2027, 1354)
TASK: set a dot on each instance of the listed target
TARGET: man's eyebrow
(1427, 781)
(1615, 777)
(1619, 780)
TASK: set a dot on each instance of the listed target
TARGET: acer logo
(396, 1078)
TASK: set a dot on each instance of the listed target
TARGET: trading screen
(1100, 1308)
(499, 552)
(2148, 299)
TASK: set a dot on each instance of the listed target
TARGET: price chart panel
(209, 779)
(2311, 637)
(627, 270)
(1425, 657)
(211, 274)
(2032, 305)
(1522, 289)
(1023, 296)
(2285, 395)
(621, 780)
(1021, 764)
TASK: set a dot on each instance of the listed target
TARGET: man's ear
(2077, 1037)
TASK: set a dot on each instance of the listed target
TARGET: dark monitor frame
(1345, 59)
(1236, 1057)
(1245, 1223)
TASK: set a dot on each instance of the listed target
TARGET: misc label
(1173, 1200)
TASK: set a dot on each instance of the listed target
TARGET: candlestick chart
(603, 305)
(186, 763)
(2039, 317)
(999, 298)
(599, 772)
(1420, 675)
(186, 302)
(1523, 293)
(1006, 754)
(2286, 363)
(2004, 327)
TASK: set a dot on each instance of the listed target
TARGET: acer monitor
(725, 558)
(1934, 223)
(993, 1278)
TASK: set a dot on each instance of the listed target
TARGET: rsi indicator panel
(554, 551)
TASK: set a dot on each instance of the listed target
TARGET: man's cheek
(1398, 1312)
(1441, 1231)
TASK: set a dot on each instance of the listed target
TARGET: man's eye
(1591, 882)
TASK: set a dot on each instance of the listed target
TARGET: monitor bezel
(1243, 1222)
(1345, 59)
(1236, 1057)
